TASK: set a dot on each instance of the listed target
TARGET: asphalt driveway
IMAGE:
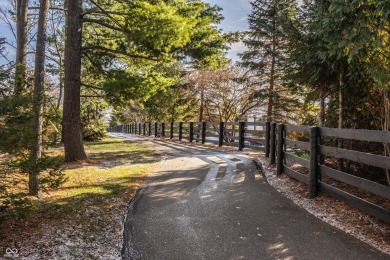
(207, 204)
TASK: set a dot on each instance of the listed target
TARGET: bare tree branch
(108, 15)
(90, 86)
(109, 26)
(51, 8)
(5, 18)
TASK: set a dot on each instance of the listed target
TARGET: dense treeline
(75, 60)
(331, 54)
(314, 63)
(317, 63)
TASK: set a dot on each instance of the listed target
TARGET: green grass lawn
(115, 168)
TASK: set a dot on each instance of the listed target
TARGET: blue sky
(6, 33)
(235, 13)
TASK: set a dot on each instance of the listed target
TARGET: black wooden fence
(277, 142)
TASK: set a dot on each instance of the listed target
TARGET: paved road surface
(207, 204)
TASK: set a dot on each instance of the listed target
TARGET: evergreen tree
(128, 48)
(265, 58)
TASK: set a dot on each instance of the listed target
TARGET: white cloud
(243, 19)
(235, 49)
(238, 47)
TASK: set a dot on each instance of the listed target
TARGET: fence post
(155, 129)
(203, 132)
(267, 138)
(162, 129)
(221, 133)
(279, 165)
(140, 129)
(273, 144)
(241, 136)
(171, 134)
(191, 132)
(314, 169)
(144, 129)
(180, 130)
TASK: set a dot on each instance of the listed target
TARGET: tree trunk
(270, 109)
(61, 85)
(322, 108)
(74, 149)
(39, 81)
(322, 120)
(201, 104)
(201, 111)
(341, 110)
(21, 46)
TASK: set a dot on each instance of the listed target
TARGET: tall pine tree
(265, 58)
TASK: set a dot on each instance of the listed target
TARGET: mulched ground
(337, 213)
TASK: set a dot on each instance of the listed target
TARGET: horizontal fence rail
(298, 151)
